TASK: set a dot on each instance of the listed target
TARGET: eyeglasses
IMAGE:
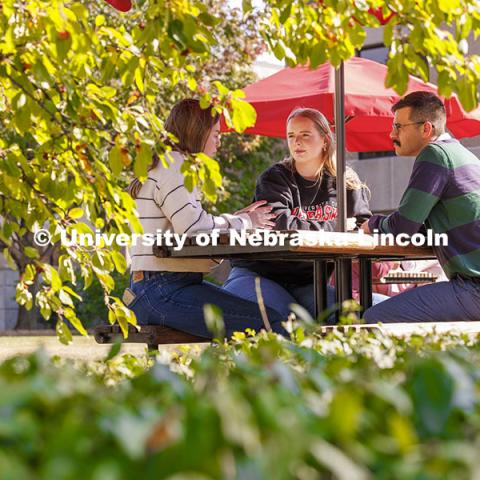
(398, 126)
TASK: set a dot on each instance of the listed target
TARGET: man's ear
(428, 130)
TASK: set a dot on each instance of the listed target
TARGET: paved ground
(81, 347)
(88, 349)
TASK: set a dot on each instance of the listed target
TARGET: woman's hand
(251, 207)
(260, 215)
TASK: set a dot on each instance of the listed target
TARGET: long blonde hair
(191, 125)
(352, 182)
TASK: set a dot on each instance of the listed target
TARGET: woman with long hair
(171, 291)
(301, 189)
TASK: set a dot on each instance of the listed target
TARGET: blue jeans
(279, 296)
(456, 300)
(176, 300)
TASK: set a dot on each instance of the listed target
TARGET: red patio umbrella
(367, 103)
(122, 5)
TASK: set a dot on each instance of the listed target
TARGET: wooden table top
(301, 243)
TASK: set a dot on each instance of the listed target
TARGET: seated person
(302, 192)
(171, 291)
(442, 194)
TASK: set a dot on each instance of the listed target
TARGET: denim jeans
(176, 300)
(279, 296)
(456, 300)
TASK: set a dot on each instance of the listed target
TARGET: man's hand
(364, 226)
(351, 224)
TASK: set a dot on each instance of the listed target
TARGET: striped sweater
(443, 194)
(164, 204)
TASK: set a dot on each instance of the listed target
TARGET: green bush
(351, 406)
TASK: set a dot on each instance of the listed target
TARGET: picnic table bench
(152, 335)
(155, 335)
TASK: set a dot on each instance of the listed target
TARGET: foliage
(79, 90)
(346, 406)
(242, 159)
(92, 310)
(421, 35)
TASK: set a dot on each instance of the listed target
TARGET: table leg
(320, 285)
(365, 283)
(343, 280)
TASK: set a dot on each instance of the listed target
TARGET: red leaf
(122, 5)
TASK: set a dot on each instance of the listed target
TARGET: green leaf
(247, 6)
(65, 298)
(31, 252)
(192, 84)
(243, 115)
(208, 19)
(345, 411)
(143, 160)
(30, 273)
(72, 292)
(318, 54)
(23, 296)
(467, 94)
(119, 261)
(139, 79)
(114, 350)
(75, 321)
(214, 320)
(23, 119)
(111, 316)
(122, 321)
(76, 213)
(449, 6)
(63, 332)
(51, 275)
(432, 392)
(107, 281)
(115, 160)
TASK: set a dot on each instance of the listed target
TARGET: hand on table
(260, 215)
(351, 224)
(364, 226)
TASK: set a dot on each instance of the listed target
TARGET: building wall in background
(8, 305)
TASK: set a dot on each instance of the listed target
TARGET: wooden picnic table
(314, 246)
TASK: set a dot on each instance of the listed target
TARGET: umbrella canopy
(367, 102)
(121, 5)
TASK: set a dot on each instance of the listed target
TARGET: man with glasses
(443, 194)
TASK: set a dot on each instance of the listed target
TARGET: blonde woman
(171, 291)
(302, 193)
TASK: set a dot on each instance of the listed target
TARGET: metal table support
(343, 280)
(365, 282)
(320, 285)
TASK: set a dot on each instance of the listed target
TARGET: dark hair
(190, 124)
(426, 107)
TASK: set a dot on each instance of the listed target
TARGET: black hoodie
(301, 204)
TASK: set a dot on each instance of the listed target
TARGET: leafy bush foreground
(348, 406)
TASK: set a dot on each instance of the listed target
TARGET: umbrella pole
(340, 137)
(343, 268)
